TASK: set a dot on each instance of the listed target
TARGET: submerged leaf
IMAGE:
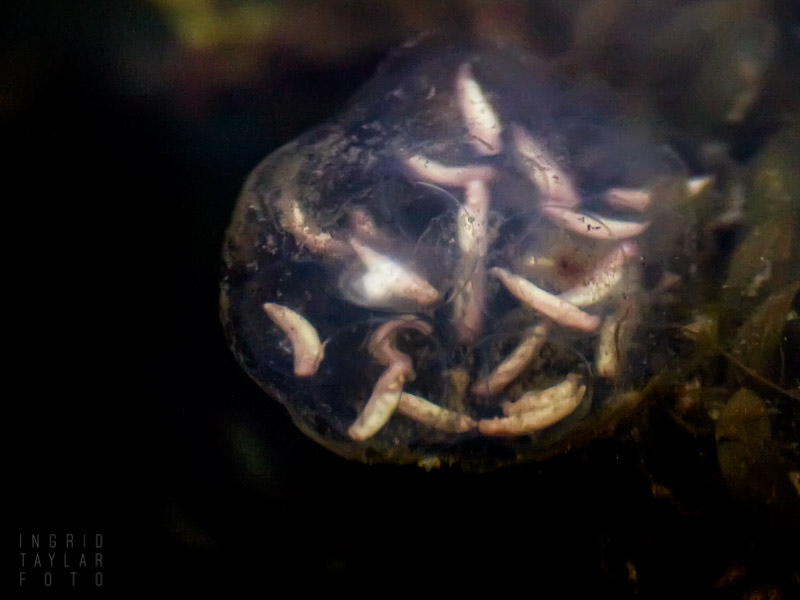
(768, 258)
(749, 458)
(758, 343)
(744, 419)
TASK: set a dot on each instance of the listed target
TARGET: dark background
(125, 151)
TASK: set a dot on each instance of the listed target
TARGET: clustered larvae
(373, 278)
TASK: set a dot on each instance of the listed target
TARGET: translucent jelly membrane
(312, 211)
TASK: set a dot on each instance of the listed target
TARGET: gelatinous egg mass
(464, 266)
